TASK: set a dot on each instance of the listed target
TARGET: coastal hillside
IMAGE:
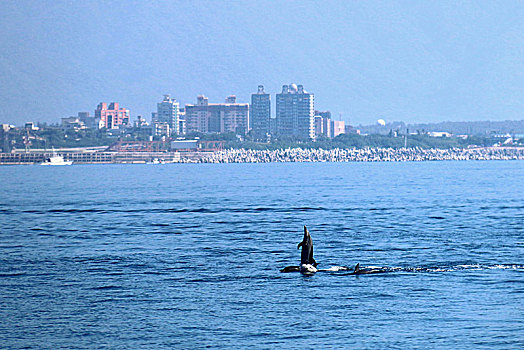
(479, 128)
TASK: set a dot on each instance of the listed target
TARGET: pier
(90, 157)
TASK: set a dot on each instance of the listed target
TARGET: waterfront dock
(89, 157)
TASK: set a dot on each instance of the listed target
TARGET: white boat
(55, 159)
(157, 161)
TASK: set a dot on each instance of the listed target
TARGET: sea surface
(187, 256)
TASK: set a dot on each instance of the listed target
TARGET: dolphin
(307, 262)
(369, 270)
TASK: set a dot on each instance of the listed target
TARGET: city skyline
(415, 62)
(296, 117)
(129, 119)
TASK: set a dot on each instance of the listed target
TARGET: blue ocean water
(188, 255)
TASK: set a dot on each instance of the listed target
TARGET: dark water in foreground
(188, 256)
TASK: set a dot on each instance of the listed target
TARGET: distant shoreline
(291, 155)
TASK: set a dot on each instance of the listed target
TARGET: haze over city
(415, 62)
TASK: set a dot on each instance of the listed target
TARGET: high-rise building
(273, 126)
(327, 127)
(260, 114)
(182, 121)
(319, 126)
(324, 125)
(324, 114)
(111, 117)
(167, 112)
(295, 112)
(208, 117)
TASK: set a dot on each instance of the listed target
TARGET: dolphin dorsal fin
(357, 267)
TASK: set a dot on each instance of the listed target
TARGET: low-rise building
(349, 129)
(89, 122)
(7, 127)
(140, 122)
(72, 123)
(31, 126)
(161, 129)
(337, 127)
(439, 134)
(184, 145)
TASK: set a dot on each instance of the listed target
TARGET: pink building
(111, 117)
(337, 127)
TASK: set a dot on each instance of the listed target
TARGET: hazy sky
(396, 60)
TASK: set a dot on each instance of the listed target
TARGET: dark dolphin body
(291, 269)
(306, 257)
(368, 270)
